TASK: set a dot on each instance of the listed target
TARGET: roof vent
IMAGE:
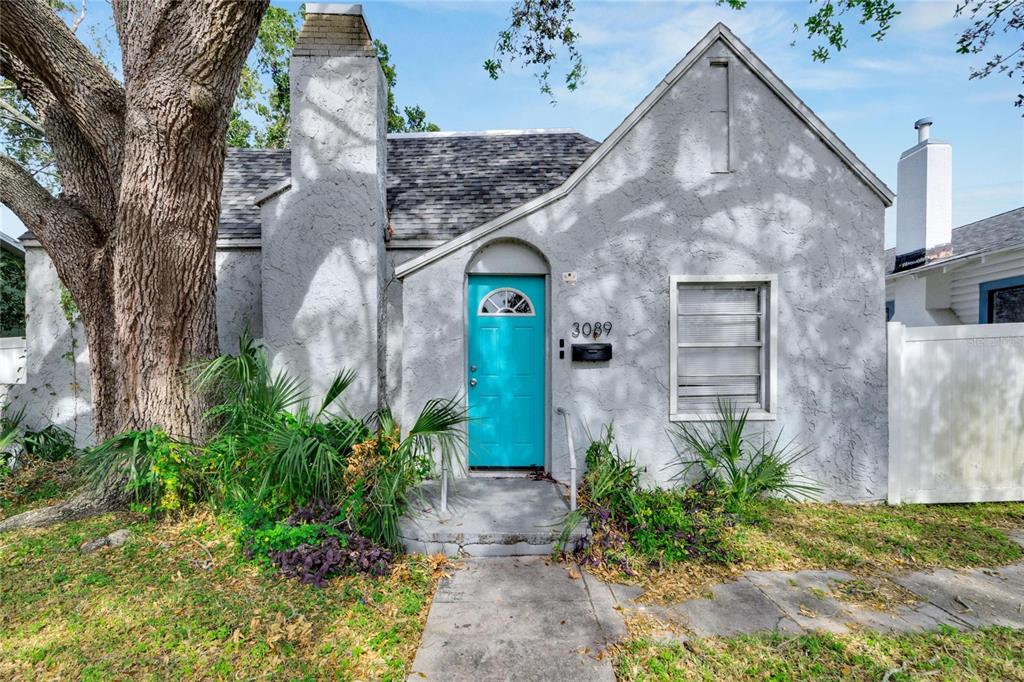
(923, 126)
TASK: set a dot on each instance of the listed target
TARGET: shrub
(52, 444)
(274, 451)
(160, 473)
(631, 525)
(739, 468)
(10, 436)
(315, 543)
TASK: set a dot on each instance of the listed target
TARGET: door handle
(472, 382)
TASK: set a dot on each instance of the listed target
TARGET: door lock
(472, 368)
(472, 382)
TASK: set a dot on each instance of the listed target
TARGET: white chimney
(924, 200)
(322, 242)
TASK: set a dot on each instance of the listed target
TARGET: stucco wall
(323, 239)
(239, 295)
(57, 388)
(652, 209)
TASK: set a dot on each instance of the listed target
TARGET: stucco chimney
(323, 240)
(924, 200)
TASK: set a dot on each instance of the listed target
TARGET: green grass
(32, 486)
(880, 537)
(158, 608)
(989, 654)
(865, 540)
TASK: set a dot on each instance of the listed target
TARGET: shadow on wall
(651, 209)
(56, 389)
(961, 414)
(322, 293)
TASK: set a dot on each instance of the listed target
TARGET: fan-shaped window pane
(506, 302)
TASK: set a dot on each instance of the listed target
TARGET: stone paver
(803, 601)
(805, 596)
(977, 597)
(519, 618)
(736, 608)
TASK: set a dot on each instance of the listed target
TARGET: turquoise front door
(505, 371)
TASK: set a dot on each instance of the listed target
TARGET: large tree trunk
(132, 235)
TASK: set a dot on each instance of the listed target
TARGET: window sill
(752, 416)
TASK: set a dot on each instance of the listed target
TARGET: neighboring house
(12, 287)
(937, 275)
(722, 242)
(12, 314)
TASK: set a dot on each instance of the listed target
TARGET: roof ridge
(484, 133)
(994, 215)
(258, 149)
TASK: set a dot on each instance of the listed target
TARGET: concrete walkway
(528, 618)
(804, 601)
(519, 618)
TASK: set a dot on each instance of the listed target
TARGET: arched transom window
(506, 301)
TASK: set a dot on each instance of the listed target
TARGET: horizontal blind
(720, 334)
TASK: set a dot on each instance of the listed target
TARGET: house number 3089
(594, 329)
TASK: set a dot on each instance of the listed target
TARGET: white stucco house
(721, 242)
(938, 275)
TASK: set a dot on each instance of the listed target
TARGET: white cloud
(925, 16)
(629, 47)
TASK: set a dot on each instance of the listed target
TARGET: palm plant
(158, 471)
(438, 428)
(273, 449)
(736, 466)
(10, 432)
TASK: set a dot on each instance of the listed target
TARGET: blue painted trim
(890, 310)
(986, 288)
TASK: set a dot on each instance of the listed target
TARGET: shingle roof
(439, 184)
(11, 245)
(995, 233)
(247, 174)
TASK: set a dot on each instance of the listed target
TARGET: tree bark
(133, 233)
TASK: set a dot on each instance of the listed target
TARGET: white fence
(12, 360)
(956, 413)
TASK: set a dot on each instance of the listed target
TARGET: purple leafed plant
(337, 548)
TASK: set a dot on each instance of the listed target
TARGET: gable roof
(719, 32)
(11, 245)
(995, 233)
(439, 184)
(443, 184)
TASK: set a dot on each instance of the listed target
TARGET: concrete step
(488, 517)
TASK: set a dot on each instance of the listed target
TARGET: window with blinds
(722, 345)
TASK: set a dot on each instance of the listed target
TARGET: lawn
(865, 540)
(990, 654)
(178, 601)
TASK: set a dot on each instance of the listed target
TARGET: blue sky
(870, 94)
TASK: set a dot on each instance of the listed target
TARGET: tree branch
(78, 20)
(69, 236)
(93, 100)
(83, 176)
(21, 118)
(30, 201)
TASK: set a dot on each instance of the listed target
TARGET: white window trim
(772, 281)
